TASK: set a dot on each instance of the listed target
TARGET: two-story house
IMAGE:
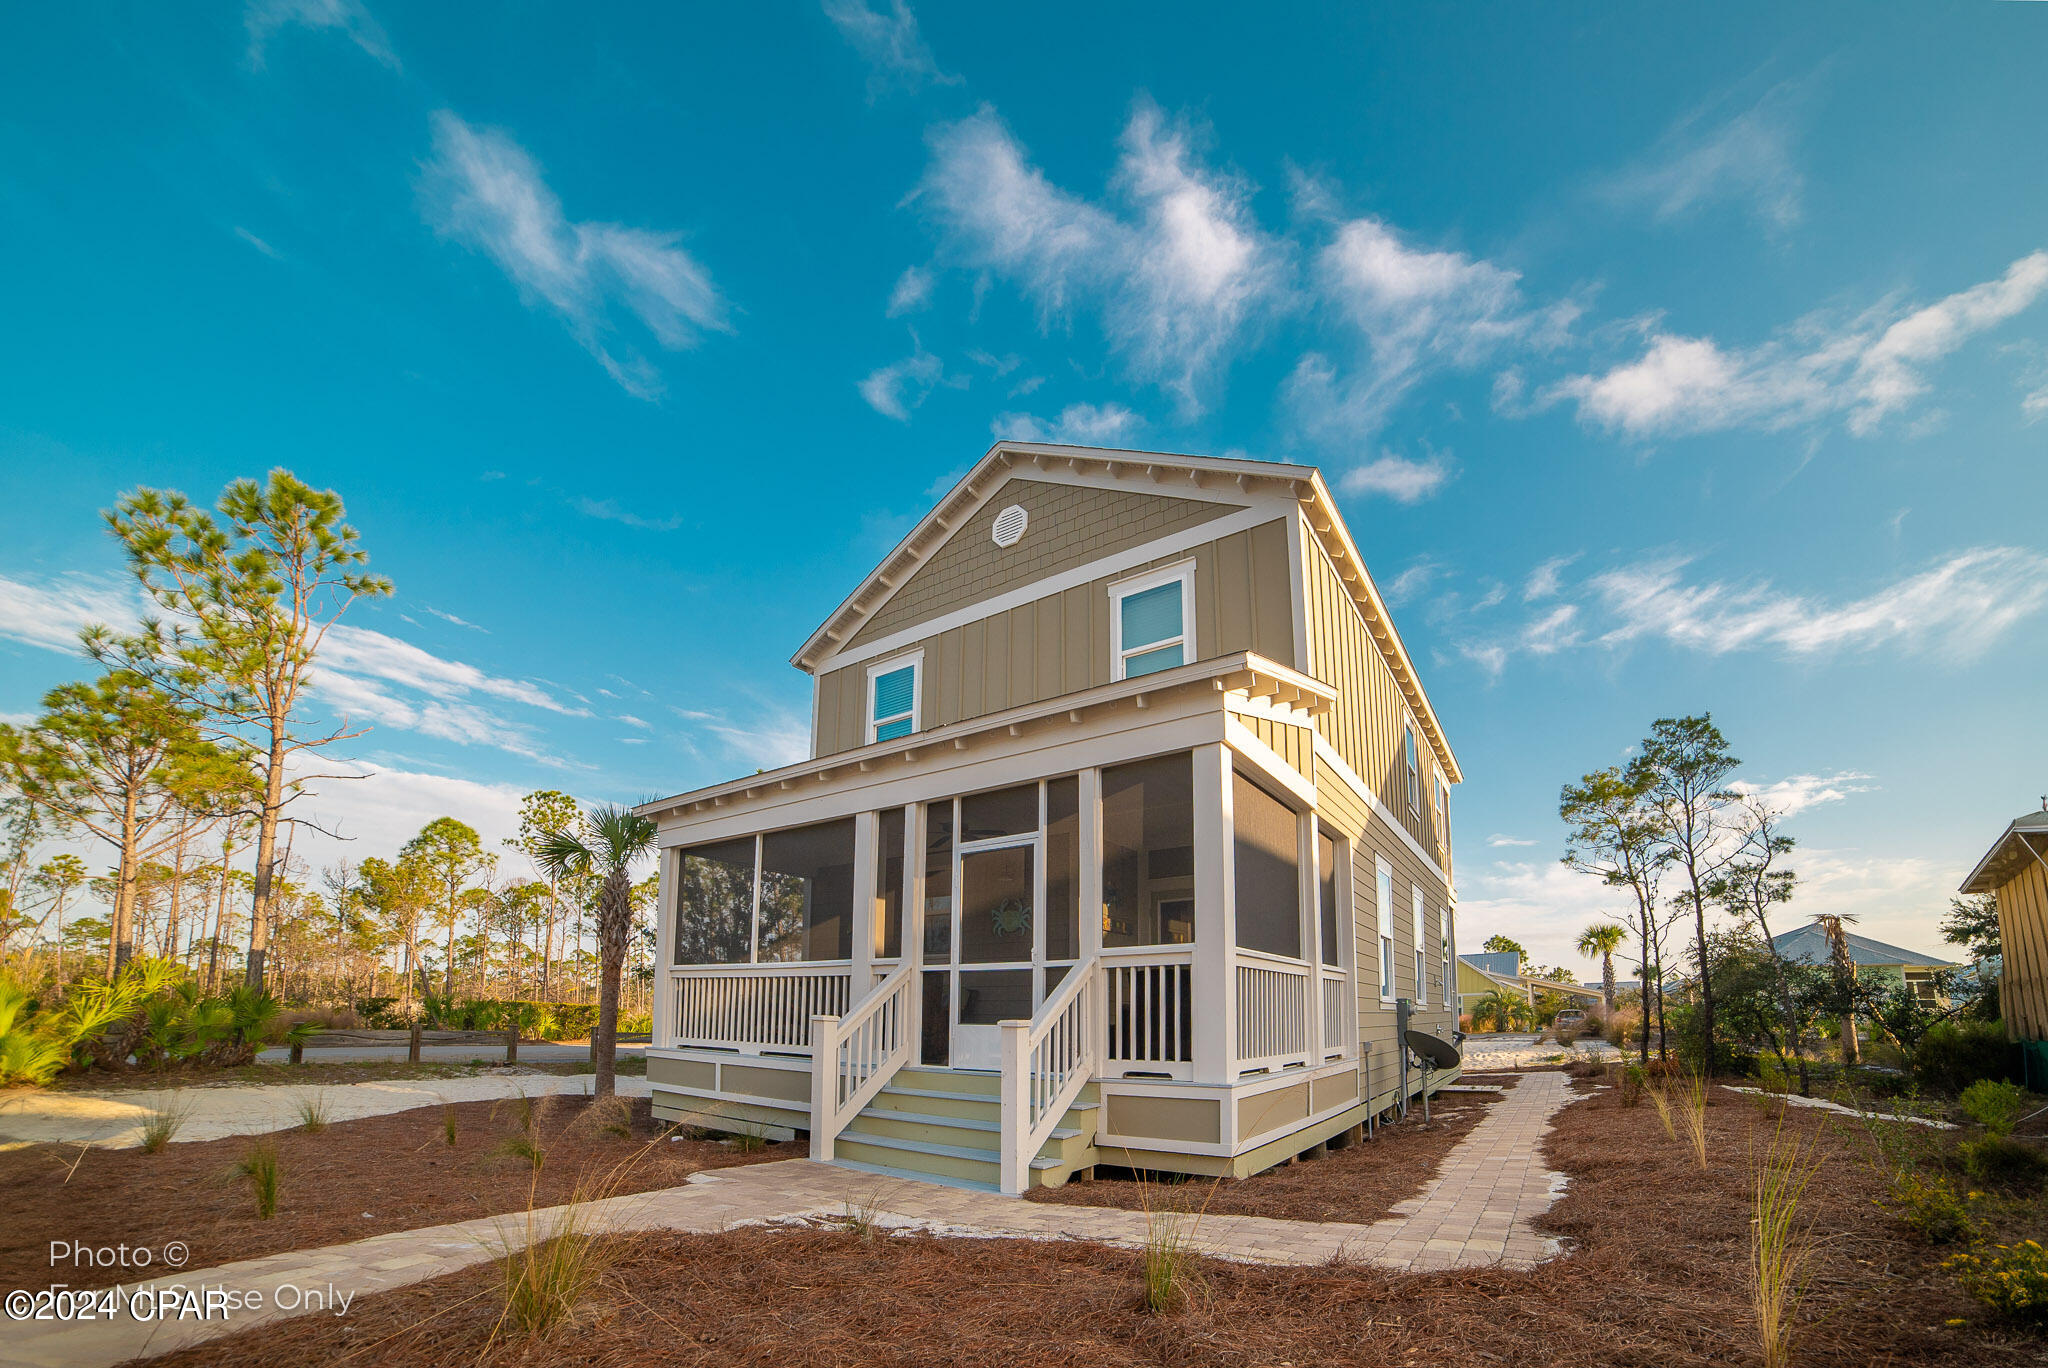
(1125, 838)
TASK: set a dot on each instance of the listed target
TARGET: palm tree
(610, 840)
(1835, 927)
(1501, 1008)
(1603, 939)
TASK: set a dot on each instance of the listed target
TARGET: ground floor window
(1267, 856)
(780, 897)
(1148, 852)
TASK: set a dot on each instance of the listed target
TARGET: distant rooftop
(1810, 944)
(1498, 962)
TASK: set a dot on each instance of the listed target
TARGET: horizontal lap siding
(1059, 644)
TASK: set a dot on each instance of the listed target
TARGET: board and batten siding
(1295, 745)
(1364, 724)
(1059, 644)
(1070, 525)
(2023, 928)
(1370, 838)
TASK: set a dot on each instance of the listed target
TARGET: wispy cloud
(1398, 478)
(1498, 841)
(610, 510)
(1714, 156)
(51, 613)
(912, 291)
(1415, 310)
(1077, 424)
(1413, 582)
(895, 389)
(1179, 270)
(897, 55)
(1868, 368)
(456, 621)
(258, 243)
(482, 189)
(1797, 792)
(1545, 579)
(264, 18)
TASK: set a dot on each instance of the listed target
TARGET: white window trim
(1184, 572)
(1443, 813)
(914, 659)
(1443, 938)
(1421, 951)
(1383, 890)
(1411, 760)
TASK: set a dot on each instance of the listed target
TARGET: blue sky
(1663, 362)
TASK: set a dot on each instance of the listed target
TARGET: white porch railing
(854, 1057)
(753, 1007)
(1046, 1062)
(1148, 1012)
(1340, 1013)
(1272, 1014)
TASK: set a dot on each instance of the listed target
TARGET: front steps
(945, 1126)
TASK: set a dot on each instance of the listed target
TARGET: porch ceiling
(1243, 673)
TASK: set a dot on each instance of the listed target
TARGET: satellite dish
(1441, 1054)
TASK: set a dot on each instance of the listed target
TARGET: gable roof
(1809, 945)
(1495, 962)
(1165, 469)
(2025, 838)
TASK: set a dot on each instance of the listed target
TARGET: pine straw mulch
(351, 1180)
(1655, 1279)
(1361, 1183)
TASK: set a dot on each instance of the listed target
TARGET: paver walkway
(1475, 1213)
(113, 1120)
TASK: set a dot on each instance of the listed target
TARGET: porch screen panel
(937, 917)
(1326, 870)
(989, 996)
(889, 872)
(807, 893)
(996, 913)
(1062, 870)
(715, 903)
(1148, 852)
(1005, 812)
(1268, 871)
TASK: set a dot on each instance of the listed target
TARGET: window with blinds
(1149, 622)
(892, 701)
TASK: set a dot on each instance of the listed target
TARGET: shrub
(1931, 1208)
(1881, 1083)
(313, 1115)
(1779, 1243)
(1994, 1104)
(2000, 1161)
(165, 1119)
(1955, 1054)
(2010, 1279)
(259, 1166)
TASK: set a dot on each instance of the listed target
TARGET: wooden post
(824, 1085)
(512, 1045)
(1016, 1164)
(412, 1043)
(298, 1052)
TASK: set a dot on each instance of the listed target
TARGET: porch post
(824, 1084)
(1015, 1165)
(862, 976)
(1215, 968)
(1309, 899)
(913, 921)
(663, 1029)
(1090, 891)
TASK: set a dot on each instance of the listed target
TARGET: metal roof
(1809, 944)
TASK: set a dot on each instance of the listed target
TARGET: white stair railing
(1046, 1062)
(854, 1057)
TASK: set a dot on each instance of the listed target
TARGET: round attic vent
(1010, 525)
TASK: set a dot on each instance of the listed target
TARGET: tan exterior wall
(1190, 1120)
(787, 1085)
(1295, 745)
(1060, 644)
(682, 1073)
(1275, 1109)
(1365, 723)
(1371, 837)
(1070, 526)
(2023, 927)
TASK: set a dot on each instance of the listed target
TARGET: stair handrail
(853, 1057)
(1046, 1062)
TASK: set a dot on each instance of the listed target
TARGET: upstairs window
(1421, 954)
(892, 699)
(1414, 769)
(1149, 622)
(1385, 890)
(1443, 813)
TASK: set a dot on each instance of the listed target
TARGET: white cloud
(1497, 840)
(895, 389)
(913, 291)
(775, 739)
(258, 243)
(1180, 280)
(51, 614)
(609, 510)
(633, 721)
(263, 18)
(1411, 583)
(1797, 792)
(1958, 607)
(1546, 578)
(1077, 425)
(1416, 310)
(1869, 367)
(1746, 157)
(484, 190)
(897, 55)
(360, 651)
(456, 621)
(1398, 478)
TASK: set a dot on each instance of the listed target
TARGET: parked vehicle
(1568, 1024)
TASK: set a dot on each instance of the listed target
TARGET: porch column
(862, 975)
(913, 921)
(1308, 898)
(1090, 891)
(1215, 966)
(664, 943)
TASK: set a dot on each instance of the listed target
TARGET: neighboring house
(1124, 837)
(1872, 958)
(1501, 971)
(2015, 871)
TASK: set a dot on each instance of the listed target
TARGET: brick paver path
(1475, 1212)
